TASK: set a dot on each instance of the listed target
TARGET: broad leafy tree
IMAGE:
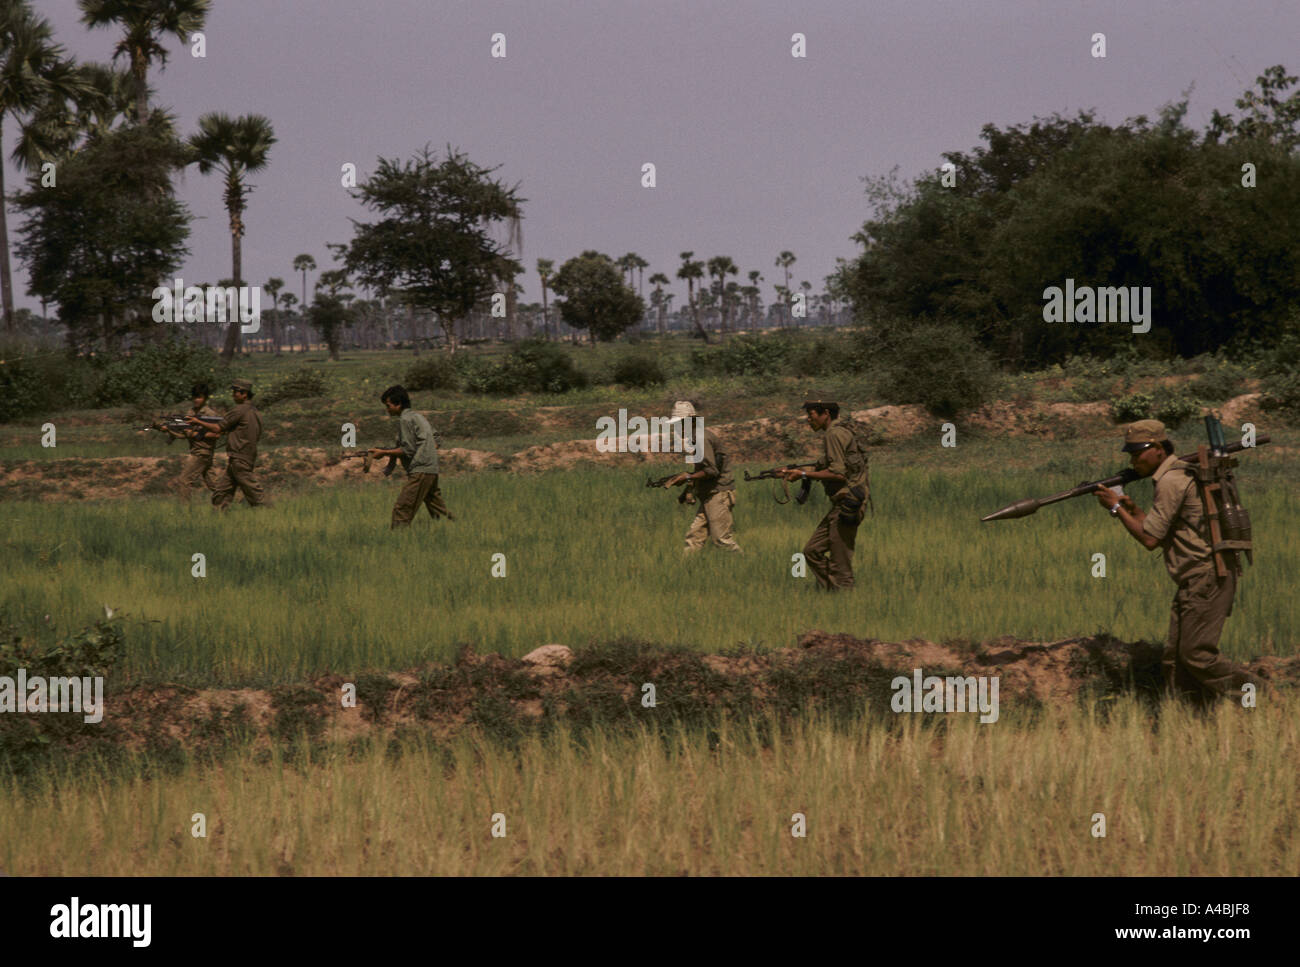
(595, 298)
(434, 243)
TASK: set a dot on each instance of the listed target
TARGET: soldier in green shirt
(842, 471)
(417, 448)
(1176, 524)
(243, 428)
(712, 485)
(198, 465)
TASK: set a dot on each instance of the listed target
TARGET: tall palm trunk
(140, 73)
(6, 280)
(236, 256)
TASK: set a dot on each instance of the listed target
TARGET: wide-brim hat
(682, 410)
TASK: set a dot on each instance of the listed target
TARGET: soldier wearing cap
(198, 465)
(712, 485)
(1176, 524)
(842, 471)
(243, 428)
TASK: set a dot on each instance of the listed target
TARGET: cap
(1138, 435)
(819, 401)
(243, 384)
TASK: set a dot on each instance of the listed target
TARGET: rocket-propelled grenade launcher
(1030, 505)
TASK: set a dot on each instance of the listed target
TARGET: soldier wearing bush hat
(1177, 525)
(243, 428)
(712, 484)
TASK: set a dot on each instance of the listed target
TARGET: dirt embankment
(507, 697)
(761, 440)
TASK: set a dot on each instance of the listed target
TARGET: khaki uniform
(1191, 661)
(419, 459)
(198, 465)
(243, 428)
(715, 495)
(829, 552)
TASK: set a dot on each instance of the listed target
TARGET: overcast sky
(756, 151)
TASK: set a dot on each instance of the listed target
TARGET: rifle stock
(805, 488)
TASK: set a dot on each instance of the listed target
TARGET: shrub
(935, 364)
(1222, 380)
(158, 374)
(638, 371)
(752, 356)
(434, 372)
(1281, 393)
(1131, 408)
(303, 384)
(1171, 406)
(532, 367)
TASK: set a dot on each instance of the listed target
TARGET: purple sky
(755, 151)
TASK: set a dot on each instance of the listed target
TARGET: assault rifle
(685, 497)
(172, 424)
(367, 461)
(775, 474)
(1030, 505)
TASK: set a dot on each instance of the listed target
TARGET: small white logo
(104, 920)
(952, 694)
(39, 694)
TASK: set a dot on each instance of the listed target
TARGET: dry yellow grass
(1214, 796)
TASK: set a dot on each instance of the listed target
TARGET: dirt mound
(834, 672)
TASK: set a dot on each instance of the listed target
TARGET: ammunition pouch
(852, 505)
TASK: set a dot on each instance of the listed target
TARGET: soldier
(712, 485)
(243, 428)
(417, 448)
(842, 471)
(198, 465)
(1176, 523)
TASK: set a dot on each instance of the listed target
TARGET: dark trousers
(420, 488)
(829, 552)
(1191, 661)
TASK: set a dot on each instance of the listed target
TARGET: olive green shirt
(1177, 521)
(203, 447)
(243, 428)
(842, 453)
(716, 465)
(419, 445)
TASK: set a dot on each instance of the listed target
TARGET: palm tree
(755, 277)
(144, 23)
(721, 266)
(304, 263)
(273, 285)
(784, 261)
(807, 297)
(640, 264)
(545, 269)
(35, 84)
(659, 280)
(289, 300)
(690, 271)
(235, 147)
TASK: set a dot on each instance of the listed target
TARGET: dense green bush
(1131, 408)
(750, 356)
(934, 364)
(638, 371)
(433, 372)
(532, 367)
(40, 381)
(158, 374)
(1281, 394)
(1172, 406)
(1221, 380)
(303, 384)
